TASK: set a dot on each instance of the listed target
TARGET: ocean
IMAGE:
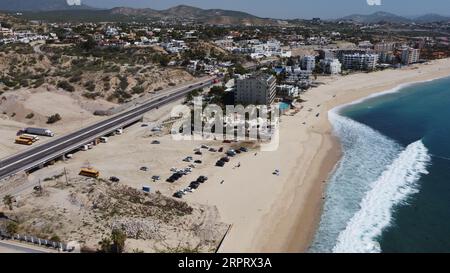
(390, 192)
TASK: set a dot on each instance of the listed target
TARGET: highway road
(36, 156)
(12, 247)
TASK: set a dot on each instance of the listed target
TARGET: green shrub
(90, 86)
(66, 86)
(53, 118)
(137, 89)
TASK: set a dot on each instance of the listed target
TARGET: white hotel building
(257, 89)
(359, 61)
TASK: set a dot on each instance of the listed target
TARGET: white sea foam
(393, 187)
(359, 205)
(366, 153)
(374, 174)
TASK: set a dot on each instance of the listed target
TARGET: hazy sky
(294, 8)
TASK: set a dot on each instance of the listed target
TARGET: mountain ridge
(59, 10)
(382, 16)
(39, 5)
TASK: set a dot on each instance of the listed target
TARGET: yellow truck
(32, 138)
(23, 141)
(89, 172)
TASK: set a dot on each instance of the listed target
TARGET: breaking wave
(393, 187)
(374, 175)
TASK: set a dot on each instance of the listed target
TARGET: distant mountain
(38, 5)
(431, 18)
(377, 17)
(209, 16)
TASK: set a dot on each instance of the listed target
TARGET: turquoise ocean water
(390, 192)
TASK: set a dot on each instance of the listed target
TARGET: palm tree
(8, 201)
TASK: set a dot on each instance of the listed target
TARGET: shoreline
(310, 153)
(369, 94)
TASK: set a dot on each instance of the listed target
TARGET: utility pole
(65, 174)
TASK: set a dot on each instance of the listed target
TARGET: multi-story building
(226, 43)
(331, 66)
(384, 47)
(257, 89)
(410, 55)
(359, 61)
(326, 54)
(308, 63)
(5, 32)
(287, 91)
(386, 57)
(365, 45)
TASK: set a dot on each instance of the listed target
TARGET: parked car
(156, 178)
(170, 179)
(188, 159)
(194, 185)
(243, 149)
(178, 194)
(114, 179)
(144, 169)
(225, 159)
(202, 179)
(220, 163)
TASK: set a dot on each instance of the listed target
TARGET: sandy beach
(280, 213)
